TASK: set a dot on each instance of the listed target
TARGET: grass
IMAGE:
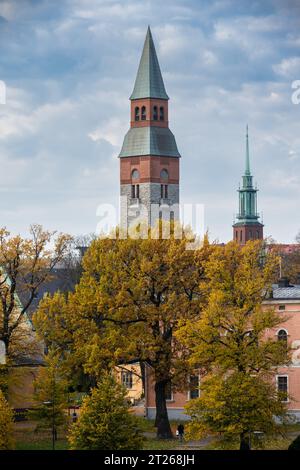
(27, 439)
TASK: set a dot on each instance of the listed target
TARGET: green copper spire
(247, 193)
(149, 82)
(247, 170)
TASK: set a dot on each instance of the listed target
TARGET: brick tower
(247, 226)
(149, 158)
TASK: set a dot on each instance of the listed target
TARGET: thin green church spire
(247, 170)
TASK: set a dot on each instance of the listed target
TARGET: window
(143, 113)
(166, 191)
(161, 191)
(155, 113)
(132, 191)
(127, 378)
(236, 235)
(135, 175)
(281, 307)
(282, 386)
(282, 335)
(168, 391)
(241, 235)
(250, 234)
(194, 387)
(137, 192)
(257, 234)
(161, 113)
(164, 175)
(137, 114)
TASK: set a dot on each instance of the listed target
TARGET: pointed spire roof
(149, 82)
(247, 169)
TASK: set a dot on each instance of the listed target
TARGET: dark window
(166, 191)
(282, 336)
(282, 386)
(137, 114)
(143, 113)
(168, 391)
(127, 378)
(161, 113)
(250, 234)
(161, 191)
(137, 193)
(155, 114)
(132, 191)
(281, 307)
(194, 386)
(257, 234)
(241, 235)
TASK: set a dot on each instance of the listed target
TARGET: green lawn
(27, 439)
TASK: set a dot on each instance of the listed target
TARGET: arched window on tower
(135, 174)
(137, 114)
(143, 113)
(155, 113)
(161, 113)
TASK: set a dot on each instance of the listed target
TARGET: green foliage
(232, 343)
(50, 395)
(105, 422)
(234, 405)
(6, 424)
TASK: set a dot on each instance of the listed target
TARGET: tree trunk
(244, 442)
(162, 419)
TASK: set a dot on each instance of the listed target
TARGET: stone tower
(247, 227)
(149, 158)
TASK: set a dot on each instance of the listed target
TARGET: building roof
(149, 82)
(286, 293)
(149, 141)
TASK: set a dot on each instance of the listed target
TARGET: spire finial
(247, 170)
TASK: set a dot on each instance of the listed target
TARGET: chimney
(284, 282)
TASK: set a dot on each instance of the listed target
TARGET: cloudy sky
(69, 67)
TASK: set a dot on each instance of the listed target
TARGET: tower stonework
(247, 227)
(149, 158)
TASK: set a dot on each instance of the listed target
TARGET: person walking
(180, 431)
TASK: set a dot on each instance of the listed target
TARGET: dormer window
(143, 113)
(137, 114)
(161, 113)
(155, 113)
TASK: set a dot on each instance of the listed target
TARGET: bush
(6, 424)
(295, 445)
(105, 422)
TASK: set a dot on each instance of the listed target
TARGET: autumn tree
(130, 298)
(231, 342)
(105, 422)
(26, 264)
(50, 395)
(6, 424)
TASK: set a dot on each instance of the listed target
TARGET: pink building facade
(285, 300)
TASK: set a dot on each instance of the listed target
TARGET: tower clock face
(135, 175)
